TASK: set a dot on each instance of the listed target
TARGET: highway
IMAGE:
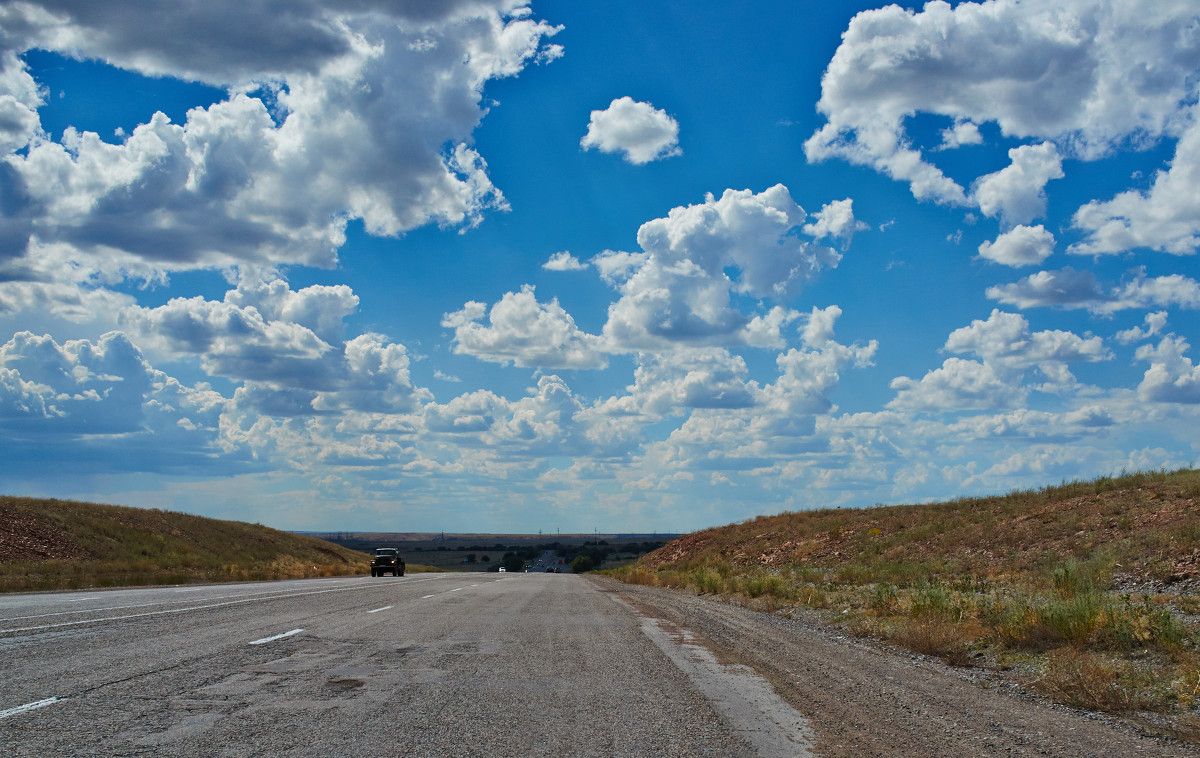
(513, 664)
(423, 665)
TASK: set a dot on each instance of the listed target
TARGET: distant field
(1088, 592)
(487, 552)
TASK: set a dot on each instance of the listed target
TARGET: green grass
(1024, 583)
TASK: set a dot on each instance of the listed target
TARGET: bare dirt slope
(865, 700)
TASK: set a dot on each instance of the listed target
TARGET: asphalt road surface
(488, 664)
(423, 665)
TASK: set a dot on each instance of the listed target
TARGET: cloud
(1087, 74)
(375, 379)
(818, 329)
(1155, 323)
(958, 385)
(962, 133)
(320, 308)
(563, 261)
(219, 41)
(698, 378)
(1171, 378)
(265, 335)
(808, 377)
(234, 342)
(1072, 290)
(1017, 193)
(1008, 349)
(1005, 339)
(679, 292)
(99, 405)
(19, 102)
(1165, 218)
(836, 219)
(617, 267)
(639, 130)
(524, 332)
(1020, 246)
(372, 108)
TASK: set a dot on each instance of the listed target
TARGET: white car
(503, 569)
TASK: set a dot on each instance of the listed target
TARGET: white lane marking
(456, 589)
(28, 707)
(426, 597)
(264, 595)
(265, 640)
(248, 596)
(178, 610)
(384, 608)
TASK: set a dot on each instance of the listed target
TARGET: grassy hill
(1088, 592)
(59, 544)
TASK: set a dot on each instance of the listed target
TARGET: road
(423, 665)
(492, 664)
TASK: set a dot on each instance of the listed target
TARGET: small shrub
(709, 582)
(934, 636)
(884, 598)
(1186, 687)
(1070, 620)
(933, 599)
(1127, 626)
(1087, 680)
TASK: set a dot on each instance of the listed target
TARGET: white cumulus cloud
(679, 292)
(563, 261)
(524, 332)
(1017, 193)
(1070, 289)
(1172, 377)
(357, 110)
(1020, 246)
(1084, 74)
(639, 130)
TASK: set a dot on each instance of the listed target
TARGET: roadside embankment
(1087, 593)
(60, 544)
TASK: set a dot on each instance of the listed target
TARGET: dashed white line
(28, 707)
(384, 608)
(265, 594)
(456, 589)
(426, 597)
(265, 640)
(174, 610)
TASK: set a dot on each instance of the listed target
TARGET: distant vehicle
(502, 569)
(387, 560)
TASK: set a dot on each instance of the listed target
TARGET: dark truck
(387, 560)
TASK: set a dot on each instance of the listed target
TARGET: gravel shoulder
(863, 699)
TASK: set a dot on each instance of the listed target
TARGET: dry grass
(1095, 682)
(56, 544)
(1031, 578)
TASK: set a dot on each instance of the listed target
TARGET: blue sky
(497, 267)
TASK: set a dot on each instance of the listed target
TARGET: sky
(489, 266)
